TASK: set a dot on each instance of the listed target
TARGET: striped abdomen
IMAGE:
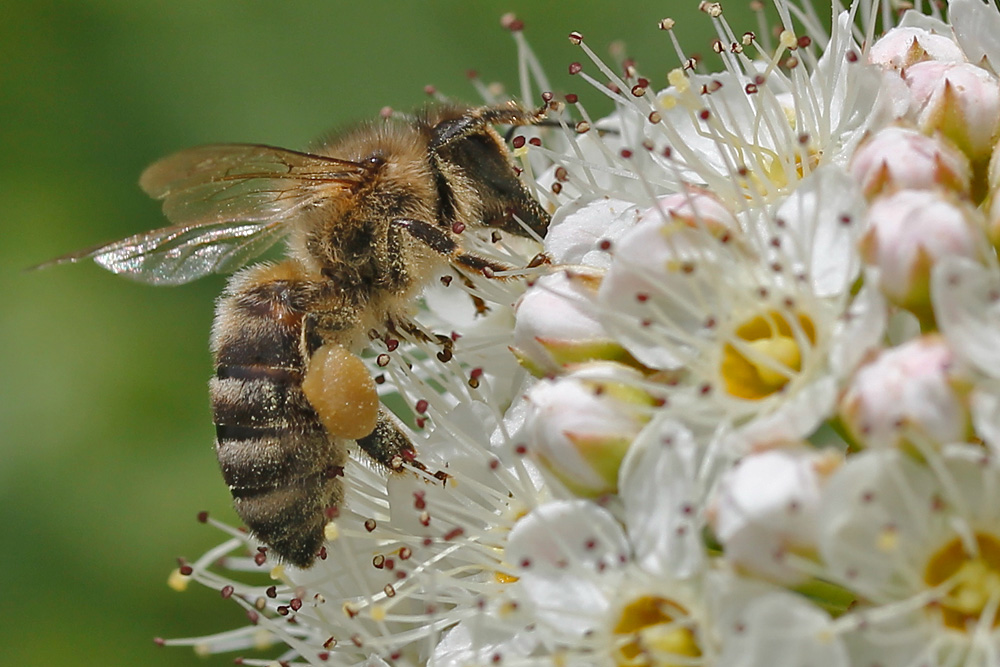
(278, 460)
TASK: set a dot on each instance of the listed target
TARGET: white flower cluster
(757, 411)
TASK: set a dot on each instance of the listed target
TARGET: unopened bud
(695, 209)
(557, 324)
(898, 158)
(917, 390)
(902, 47)
(766, 508)
(959, 100)
(909, 233)
(581, 425)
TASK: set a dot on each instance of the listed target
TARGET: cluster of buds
(926, 175)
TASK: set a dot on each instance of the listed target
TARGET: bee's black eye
(375, 160)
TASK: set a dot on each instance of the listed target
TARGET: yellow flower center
(504, 578)
(768, 356)
(974, 580)
(772, 175)
(652, 635)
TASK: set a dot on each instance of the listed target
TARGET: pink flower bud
(696, 209)
(902, 47)
(917, 390)
(959, 100)
(898, 158)
(909, 232)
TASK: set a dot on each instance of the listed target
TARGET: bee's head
(468, 143)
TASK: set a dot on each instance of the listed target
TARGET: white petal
(794, 419)
(860, 331)
(566, 534)
(658, 484)
(477, 642)
(965, 297)
(985, 406)
(824, 222)
(875, 513)
(577, 229)
(977, 29)
(782, 630)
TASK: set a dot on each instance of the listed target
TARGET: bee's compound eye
(375, 160)
(341, 390)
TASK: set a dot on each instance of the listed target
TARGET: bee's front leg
(439, 241)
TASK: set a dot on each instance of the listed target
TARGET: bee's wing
(228, 203)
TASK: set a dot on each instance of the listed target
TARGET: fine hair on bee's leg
(390, 446)
(402, 327)
(474, 121)
(439, 241)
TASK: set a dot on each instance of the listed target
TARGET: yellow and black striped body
(281, 465)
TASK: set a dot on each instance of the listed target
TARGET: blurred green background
(104, 422)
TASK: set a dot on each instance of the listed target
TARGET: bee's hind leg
(390, 446)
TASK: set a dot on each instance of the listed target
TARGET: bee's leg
(416, 332)
(438, 240)
(477, 301)
(390, 446)
(474, 121)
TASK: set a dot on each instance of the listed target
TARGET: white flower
(920, 545)
(590, 600)
(754, 325)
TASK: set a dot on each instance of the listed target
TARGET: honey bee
(369, 217)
